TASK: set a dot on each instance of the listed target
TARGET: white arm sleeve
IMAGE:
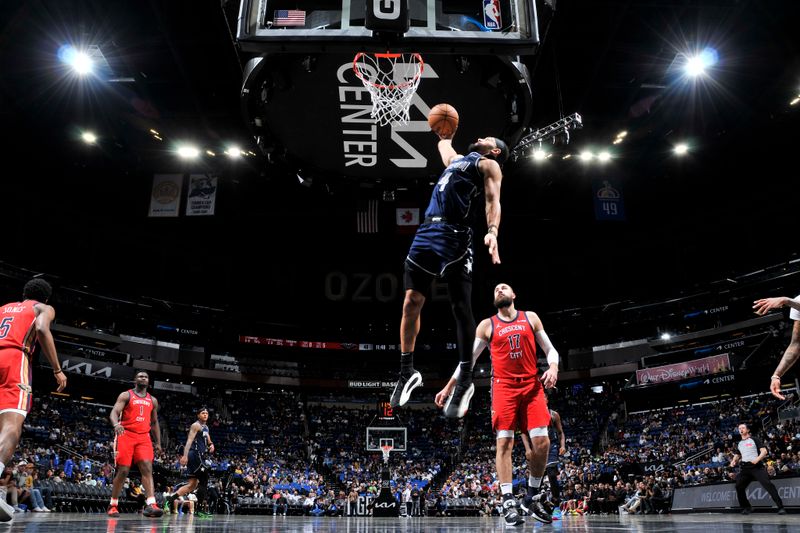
(794, 314)
(547, 346)
(477, 348)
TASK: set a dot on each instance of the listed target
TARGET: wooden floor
(700, 523)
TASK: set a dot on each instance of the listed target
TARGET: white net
(392, 80)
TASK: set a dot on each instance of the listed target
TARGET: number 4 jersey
(513, 348)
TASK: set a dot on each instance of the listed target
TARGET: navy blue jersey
(454, 195)
(552, 454)
(200, 444)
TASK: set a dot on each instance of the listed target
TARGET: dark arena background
(203, 186)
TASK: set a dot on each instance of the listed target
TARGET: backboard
(502, 27)
(378, 436)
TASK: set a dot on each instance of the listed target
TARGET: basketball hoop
(392, 80)
(386, 449)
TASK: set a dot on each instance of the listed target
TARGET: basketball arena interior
(224, 194)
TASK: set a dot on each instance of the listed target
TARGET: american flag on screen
(289, 17)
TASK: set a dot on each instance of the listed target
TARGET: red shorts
(518, 405)
(15, 381)
(132, 448)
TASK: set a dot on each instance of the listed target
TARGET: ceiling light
(586, 155)
(603, 156)
(89, 137)
(233, 151)
(665, 336)
(622, 134)
(793, 102)
(539, 154)
(188, 152)
(567, 156)
(681, 149)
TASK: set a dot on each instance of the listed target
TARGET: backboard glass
(436, 26)
(378, 435)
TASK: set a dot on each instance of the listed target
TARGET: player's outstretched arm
(446, 150)
(789, 358)
(492, 177)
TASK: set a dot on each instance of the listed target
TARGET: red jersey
(17, 326)
(137, 413)
(513, 348)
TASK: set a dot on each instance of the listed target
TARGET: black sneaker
(747, 510)
(510, 513)
(781, 510)
(537, 510)
(458, 401)
(405, 384)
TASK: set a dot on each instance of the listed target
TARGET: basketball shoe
(112, 512)
(458, 401)
(510, 513)
(406, 383)
(534, 507)
(152, 511)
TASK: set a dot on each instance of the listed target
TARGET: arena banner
(174, 387)
(723, 495)
(371, 384)
(202, 196)
(345, 346)
(91, 367)
(165, 200)
(679, 371)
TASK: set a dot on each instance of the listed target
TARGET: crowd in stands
(309, 457)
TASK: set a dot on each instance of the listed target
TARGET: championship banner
(723, 495)
(679, 371)
(202, 196)
(165, 200)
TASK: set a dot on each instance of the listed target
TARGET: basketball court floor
(718, 523)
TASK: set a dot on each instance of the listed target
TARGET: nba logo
(491, 14)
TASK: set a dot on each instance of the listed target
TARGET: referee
(751, 454)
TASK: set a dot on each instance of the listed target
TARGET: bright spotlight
(82, 63)
(89, 137)
(539, 154)
(681, 149)
(603, 156)
(665, 336)
(586, 155)
(697, 65)
(188, 152)
(233, 152)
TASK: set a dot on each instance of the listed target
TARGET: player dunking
(198, 443)
(135, 421)
(442, 249)
(518, 399)
(22, 324)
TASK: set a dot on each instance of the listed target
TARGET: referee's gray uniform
(749, 450)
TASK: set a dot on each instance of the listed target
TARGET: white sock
(506, 488)
(534, 482)
(114, 501)
(150, 501)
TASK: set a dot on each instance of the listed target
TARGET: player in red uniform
(22, 325)
(518, 399)
(135, 421)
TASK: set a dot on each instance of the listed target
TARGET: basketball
(443, 119)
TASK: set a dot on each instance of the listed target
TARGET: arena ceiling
(173, 67)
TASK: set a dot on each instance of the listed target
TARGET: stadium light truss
(572, 122)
